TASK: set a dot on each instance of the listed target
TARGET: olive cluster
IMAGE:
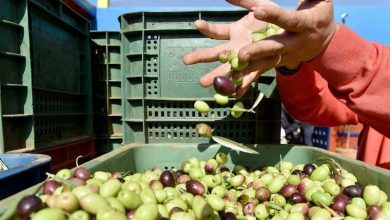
(208, 190)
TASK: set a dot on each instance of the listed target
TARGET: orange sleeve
(358, 74)
(306, 97)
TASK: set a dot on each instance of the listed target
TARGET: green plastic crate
(159, 90)
(107, 81)
(61, 73)
(140, 157)
(46, 94)
(16, 85)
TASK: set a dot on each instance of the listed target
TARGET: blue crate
(321, 137)
(25, 170)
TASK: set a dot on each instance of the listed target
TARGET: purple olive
(377, 216)
(304, 184)
(78, 181)
(174, 210)
(249, 209)
(223, 169)
(288, 190)
(308, 169)
(130, 214)
(353, 191)
(298, 173)
(50, 186)
(297, 198)
(263, 194)
(28, 205)
(373, 209)
(82, 173)
(175, 176)
(179, 172)
(229, 216)
(340, 202)
(195, 187)
(224, 86)
(167, 179)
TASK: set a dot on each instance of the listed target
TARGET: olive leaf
(233, 145)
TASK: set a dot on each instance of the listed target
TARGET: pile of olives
(207, 190)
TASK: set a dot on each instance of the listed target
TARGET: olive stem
(259, 98)
(330, 210)
(77, 160)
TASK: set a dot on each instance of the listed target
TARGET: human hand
(308, 32)
(238, 33)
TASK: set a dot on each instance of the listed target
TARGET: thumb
(293, 21)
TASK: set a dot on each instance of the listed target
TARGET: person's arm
(358, 73)
(306, 97)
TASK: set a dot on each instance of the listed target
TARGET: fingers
(213, 31)
(254, 70)
(222, 70)
(294, 21)
(270, 46)
(205, 55)
(248, 4)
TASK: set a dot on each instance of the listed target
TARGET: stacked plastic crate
(107, 80)
(46, 94)
(159, 90)
(16, 84)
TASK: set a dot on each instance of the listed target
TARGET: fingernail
(254, 8)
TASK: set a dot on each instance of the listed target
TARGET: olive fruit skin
(263, 194)
(50, 186)
(297, 198)
(288, 190)
(224, 86)
(340, 202)
(49, 213)
(28, 205)
(356, 211)
(353, 191)
(371, 195)
(221, 99)
(201, 106)
(82, 173)
(229, 216)
(308, 169)
(167, 179)
(195, 187)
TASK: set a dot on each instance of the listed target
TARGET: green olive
(371, 195)
(321, 214)
(356, 211)
(295, 216)
(238, 65)
(201, 106)
(221, 99)
(261, 211)
(359, 202)
(321, 173)
(320, 198)
(294, 180)
(277, 184)
(332, 188)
